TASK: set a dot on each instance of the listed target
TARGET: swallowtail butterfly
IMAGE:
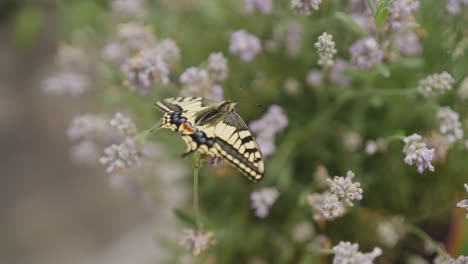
(215, 129)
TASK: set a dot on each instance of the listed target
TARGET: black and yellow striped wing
(227, 136)
(236, 144)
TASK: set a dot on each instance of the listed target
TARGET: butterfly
(214, 128)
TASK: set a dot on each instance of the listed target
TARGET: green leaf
(28, 24)
(383, 70)
(381, 18)
(348, 21)
(185, 217)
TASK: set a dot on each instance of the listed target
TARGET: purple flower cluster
(200, 82)
(365, 53)
(417, 153)
(454, 7)
(305, 7)
(245, 45)
(262, 200)
(266, 128)
(263, 6)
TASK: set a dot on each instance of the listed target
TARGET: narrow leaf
(185, 217)
(349, 22)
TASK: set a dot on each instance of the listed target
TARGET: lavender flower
(196, 241)
(417, 153)
(169, 51)
(273, 122)
(436, 84)
(217, 66)
(401, 13)
(336, 75)
(244, 44)
(130, 8)
(263, 6)
(123, 125)
(114, 52)
(448, 260)
(262, 200)
(408, 44)
(305, 7)
(365, 53)
(326, 206)
(195, 79)
(347, 253)
(450, 125)
(464, 203)
(344, 189)
(390, 231)
(216, 93)
(66, 83)
(135, 36)
(143, 70)
(454, 6)
(117, 157)
(314, 79)
(302, 232)
(294, 36)
(326, 49)
(352, 140)
(85, 152)
(88, 126)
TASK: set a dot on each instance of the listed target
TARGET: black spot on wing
(247, 139)
(164, 106)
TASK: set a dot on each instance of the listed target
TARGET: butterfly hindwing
(235, 143)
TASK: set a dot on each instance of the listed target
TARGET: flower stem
(196, 163)
(145, 133)
(426, 238)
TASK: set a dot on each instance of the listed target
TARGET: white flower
(389, 232)
(436, 84)
(123, 124)
(417, 153)
(463, 89)
(450, 125)
(347, 253)
(85, 152)
(448, 260)
(326, 49)
(132, 8)
(262, 200)
(344, 189)
(196, 241)
(464, 203)
(326, 206)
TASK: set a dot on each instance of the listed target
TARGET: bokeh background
(55, 210)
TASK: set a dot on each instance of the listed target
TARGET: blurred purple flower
(85, 152)
(131, 8)
(365, 53)
(417, 153)
(262, 200)
(89, 126)
(216, 93)
(135, 36)
(263, 6)
(217, 66)
(401, 13)
(454, 6)
(336, 75)
(66, 83)
(124, 155)
(314, 78)
(244, 44)
(114, 52)
(450, 125)
(146, 68)
(291, 86)
(408, 43)
(196, 241)
(347, 253)
(294, 36)
(273, 122)
(305, 7)
(169, 51)
(123, 125)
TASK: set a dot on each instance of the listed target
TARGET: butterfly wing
(235, 143)
(179, 110)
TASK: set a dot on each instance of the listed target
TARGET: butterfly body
(215, 129)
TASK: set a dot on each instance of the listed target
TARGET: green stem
(426, 238)
(196, 163)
